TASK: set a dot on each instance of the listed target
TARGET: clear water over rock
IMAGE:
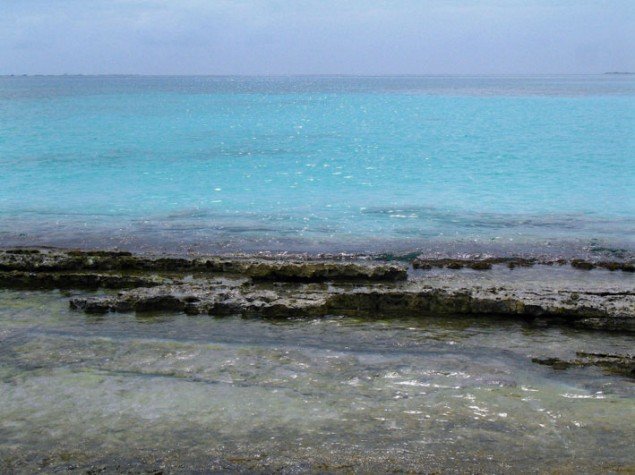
(176, 392)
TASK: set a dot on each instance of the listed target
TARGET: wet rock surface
(74, 280)
(306, 270)
(614, 363)
(295, 287)
(486, 263)
(609, 311)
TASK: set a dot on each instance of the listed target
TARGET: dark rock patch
(613, 363)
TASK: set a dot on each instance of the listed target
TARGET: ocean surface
(355, 164)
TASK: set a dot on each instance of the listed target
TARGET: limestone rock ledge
(295, 270)
(234, 297)
(296, 287)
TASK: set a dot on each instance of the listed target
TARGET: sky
(271, 37)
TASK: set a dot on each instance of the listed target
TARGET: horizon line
(343, 75)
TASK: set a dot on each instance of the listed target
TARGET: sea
(450, 164)
(362, 165)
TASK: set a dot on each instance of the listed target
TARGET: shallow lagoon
(176, 392)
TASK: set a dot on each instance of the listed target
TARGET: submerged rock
(486, 263)
(614, 363)
(74, 280)
(476, 263)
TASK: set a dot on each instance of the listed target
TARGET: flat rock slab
(315, 287)
(606, 311)
(308, 270)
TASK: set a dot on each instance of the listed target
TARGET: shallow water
(333, 394)
(319, 163)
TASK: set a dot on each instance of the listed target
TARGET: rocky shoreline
(520, 349)
(301, 286)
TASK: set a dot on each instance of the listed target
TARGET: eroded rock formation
(296, 287)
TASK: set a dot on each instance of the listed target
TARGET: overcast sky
(316, 37)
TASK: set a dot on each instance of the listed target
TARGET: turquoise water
(318, 163)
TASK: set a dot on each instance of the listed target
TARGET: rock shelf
(37, 261)
(309, 287)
